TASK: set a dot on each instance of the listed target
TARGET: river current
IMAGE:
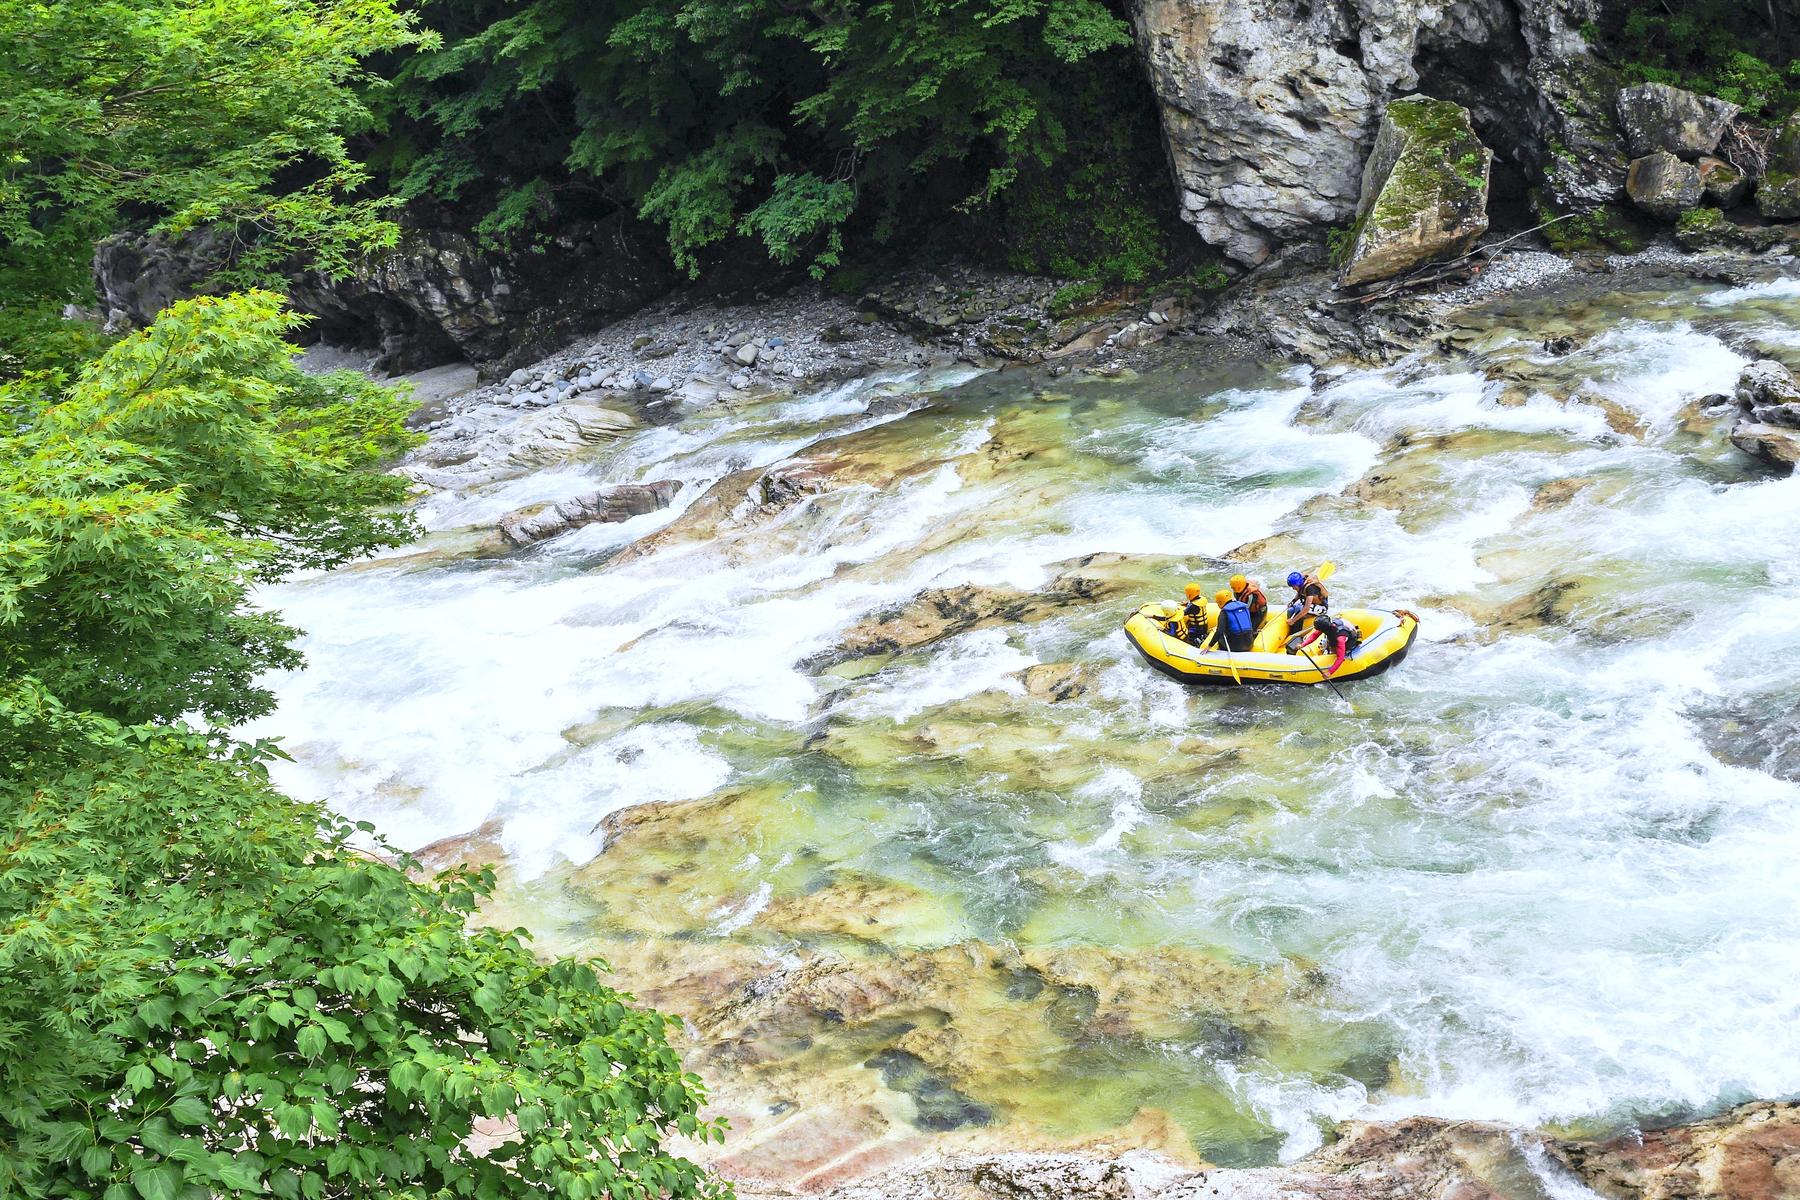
(1543, 872)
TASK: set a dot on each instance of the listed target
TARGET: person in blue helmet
(1309, 593)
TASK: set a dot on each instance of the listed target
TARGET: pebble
(642, 378)
(740, 381)
(662, 383)
(747, 354)
(518, 377)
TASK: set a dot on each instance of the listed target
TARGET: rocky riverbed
(803, 706)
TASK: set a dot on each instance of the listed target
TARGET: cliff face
(1269, 107)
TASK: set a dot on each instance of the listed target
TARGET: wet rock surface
(1768, 399)
(534, 524)
(1750, 1153)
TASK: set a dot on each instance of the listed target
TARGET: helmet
(1295, 579)
(1239, 583)
(1192, 590)
(1222, 596)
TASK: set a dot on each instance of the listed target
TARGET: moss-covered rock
(1778, 193)
(1424, 192)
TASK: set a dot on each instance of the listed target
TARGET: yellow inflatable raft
(1386, 637)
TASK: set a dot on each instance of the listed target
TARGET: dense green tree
(1744, 51)
(767, 118)
(189, 112)
(206, 988)
(190, 462)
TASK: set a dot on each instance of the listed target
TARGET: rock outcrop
(1657, 117)
(1424, 190)
(436, 297)
(1662, 185)
(526, 526)
(1269, 110)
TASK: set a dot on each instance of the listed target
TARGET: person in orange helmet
(1251, 593)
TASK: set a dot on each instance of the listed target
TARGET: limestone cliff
(1269, 107)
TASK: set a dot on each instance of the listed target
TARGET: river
(1544, 871)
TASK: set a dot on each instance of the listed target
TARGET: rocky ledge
(1749, 1153)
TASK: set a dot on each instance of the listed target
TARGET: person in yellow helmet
(1251, 593)
(1192, 623)
(1234, 626)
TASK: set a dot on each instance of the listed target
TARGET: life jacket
(1236, 616)
(1191, 624)
(1332, 629)
(1258, 602)
(1311, 594)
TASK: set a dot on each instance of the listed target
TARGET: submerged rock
(1657, 117)
(939, 613)
(1663, 185)
(1424, 192)
(540, 521)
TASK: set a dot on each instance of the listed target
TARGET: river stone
(1767, 392)
(525, 526)
(1779, 447)
(1424, 190)
(1658, 117)
(746, 354)
(1724, 184)
(1778, 193)
(1662, 185)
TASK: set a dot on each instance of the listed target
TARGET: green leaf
(157, 1183)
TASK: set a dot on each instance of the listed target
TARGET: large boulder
(1663, 185)
(1778, 195)
(1686, 124)
(1767, 391)
(1424, 190)
(1269, 110)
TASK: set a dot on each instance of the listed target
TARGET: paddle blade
(1325, 571)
